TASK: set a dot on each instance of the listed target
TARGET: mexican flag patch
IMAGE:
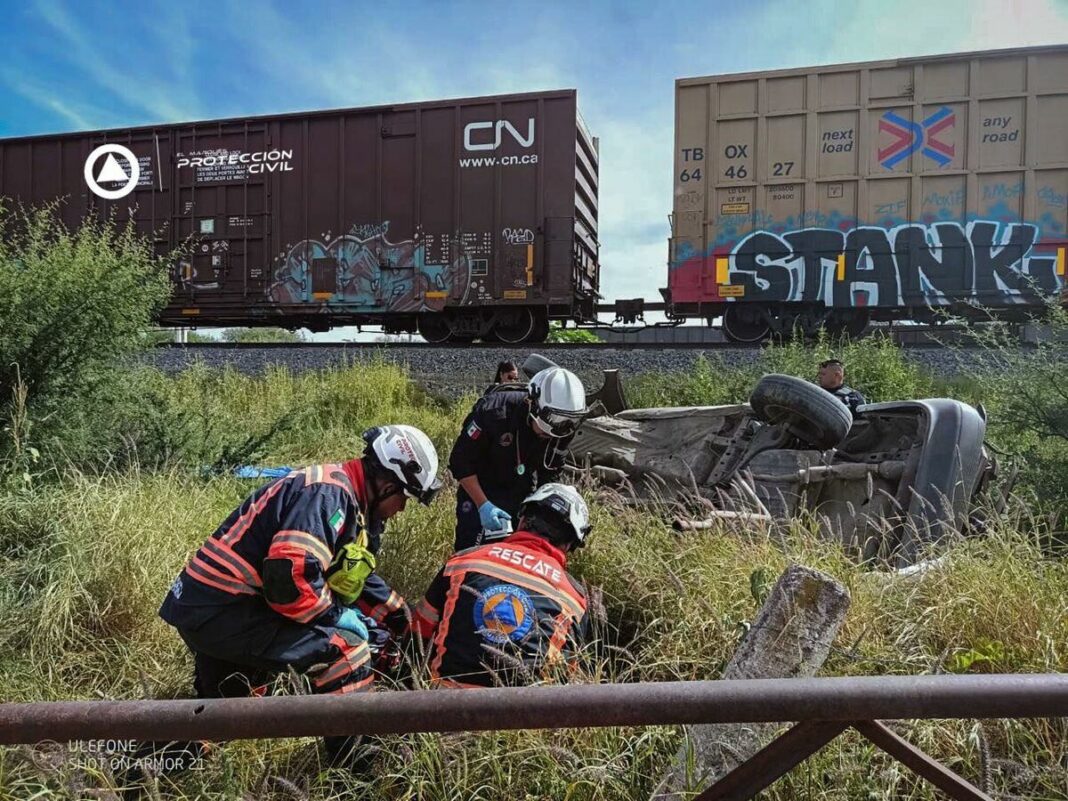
(473, 431)
(337, 520)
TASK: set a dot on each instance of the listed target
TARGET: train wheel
(435, 328)
(744, 323)
(516, 326)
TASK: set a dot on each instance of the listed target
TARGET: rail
(821, 707)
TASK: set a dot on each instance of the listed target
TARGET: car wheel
(811, 413)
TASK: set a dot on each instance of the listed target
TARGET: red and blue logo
(911, 136)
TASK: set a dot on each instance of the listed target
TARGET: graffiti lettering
(369, 230)
(1048, 194)
(985, 261)
(372, 273)
(518, 236)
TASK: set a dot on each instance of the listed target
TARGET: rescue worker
(832, 378)
(513, 440)
(287, 580)
(507, 373)
(507, 611)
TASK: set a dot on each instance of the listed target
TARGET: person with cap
(508, 612)
(832, 378)
(513, 440)
(287, 581)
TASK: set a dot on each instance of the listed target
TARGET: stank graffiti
(369, 273)
(984, 261)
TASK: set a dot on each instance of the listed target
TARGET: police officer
(513, 440)
(832, 378)
(287, 580)
(507, 611)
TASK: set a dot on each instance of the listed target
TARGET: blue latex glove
(493, 518)
(351, 620)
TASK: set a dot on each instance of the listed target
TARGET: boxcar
(457, 218)
(889, 189)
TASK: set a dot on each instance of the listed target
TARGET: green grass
(86, 557)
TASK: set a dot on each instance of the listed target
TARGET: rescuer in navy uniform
(513, 441)
(287, 581)
(508, 611)
(832, 378)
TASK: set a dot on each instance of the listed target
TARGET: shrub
(73, 304)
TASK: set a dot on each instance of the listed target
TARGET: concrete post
(790, 638)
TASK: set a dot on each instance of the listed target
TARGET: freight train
(807, 198)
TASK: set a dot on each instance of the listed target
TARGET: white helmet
(408, 456)
(564, 501)
(557, 401)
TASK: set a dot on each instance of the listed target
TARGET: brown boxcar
(834, 195)
(457, 218)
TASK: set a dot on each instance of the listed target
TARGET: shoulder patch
(337, 521)
(474, 431)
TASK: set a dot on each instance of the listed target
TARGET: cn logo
(910, 137)
(496, 128)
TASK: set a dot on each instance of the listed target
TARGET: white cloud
(163, 97)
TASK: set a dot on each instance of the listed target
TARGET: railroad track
(913, 336)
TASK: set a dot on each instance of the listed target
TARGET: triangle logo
(112, 171)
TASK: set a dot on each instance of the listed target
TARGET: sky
(70, 66)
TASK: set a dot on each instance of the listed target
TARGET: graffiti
(1050, 196)
(910, 137)
(953, 198)
(518, 236)
(369, 230)
(1002, 191)
(370, 273)
(932, 264)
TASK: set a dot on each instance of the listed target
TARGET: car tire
(811, 413)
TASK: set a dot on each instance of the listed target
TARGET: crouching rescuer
(508, 612)
(287, 581)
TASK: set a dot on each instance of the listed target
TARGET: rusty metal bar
(912, 757)
(773, 761)
(575, 706)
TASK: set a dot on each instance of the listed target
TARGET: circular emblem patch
(506, 439)
(504, 613)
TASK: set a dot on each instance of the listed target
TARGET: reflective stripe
(351, 660)
(306, 608)
(306, 542)
(240, 526)
(381, 611)
(561, 627)
(242, 570)
(427, 612)
(201, 571)
(532, 582)
(455, 584)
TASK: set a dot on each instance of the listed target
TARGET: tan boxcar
(834, 195)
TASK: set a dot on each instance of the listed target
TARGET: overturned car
(888, 483)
